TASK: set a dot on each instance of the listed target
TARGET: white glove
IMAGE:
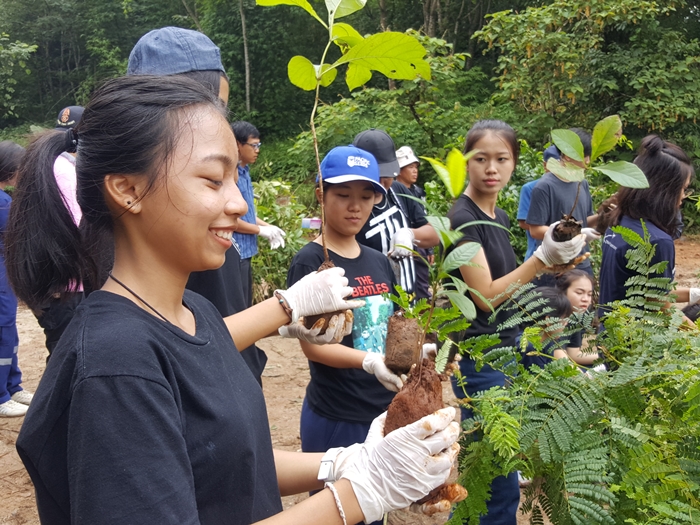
(429, 350)
(553, 253)
(405, 466)
(374, 364)
(319, 293)
(591, 234)
(338, 327)
(402, 243)
(274, 235)
(694, 296)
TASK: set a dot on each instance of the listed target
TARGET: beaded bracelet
(284, 305)
(338, 504)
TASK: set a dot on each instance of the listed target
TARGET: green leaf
(465, 305)
(567, 172)
(605, 135)
(302, 73)
(457, 170)
(442, 172)
(442, 226)
(625, 174)
(346, 34)
(569, 143)
(395, 55)
(340, 8)
(304, 4)
(460, 256)
(357, 76)
(328, 74)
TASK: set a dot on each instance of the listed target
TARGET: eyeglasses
(255, 146)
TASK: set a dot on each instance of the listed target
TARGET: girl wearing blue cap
(147, 413)
(350, 385)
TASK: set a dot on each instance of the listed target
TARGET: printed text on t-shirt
(366, 286)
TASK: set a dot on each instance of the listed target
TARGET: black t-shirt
(552, 197)
(499, 253)
(224, 289)
(137, 422)
(390, 215)
(349, 394)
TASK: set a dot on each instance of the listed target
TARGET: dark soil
(403, 343)
(567, 229)
(310, 321)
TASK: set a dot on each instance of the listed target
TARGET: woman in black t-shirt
(494, 270)
(147, 413)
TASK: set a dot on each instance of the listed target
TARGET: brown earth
(284, 383)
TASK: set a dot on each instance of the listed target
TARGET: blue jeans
(10, 376)
(318, 434)
(505, 491)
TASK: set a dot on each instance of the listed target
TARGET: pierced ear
(124, 192)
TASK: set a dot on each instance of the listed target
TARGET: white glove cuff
(694, 294)
(326, 472)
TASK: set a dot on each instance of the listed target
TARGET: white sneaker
(23, 397)
(12, 409)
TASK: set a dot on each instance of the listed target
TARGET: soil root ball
(311, 320)
(567, 229)
(403, 348)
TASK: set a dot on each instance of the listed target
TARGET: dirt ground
(284, 383)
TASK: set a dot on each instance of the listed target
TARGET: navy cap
(347, 164)
(69, 117)
(552, 152)
(381, 145)
(173, 50)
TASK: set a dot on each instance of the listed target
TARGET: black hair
(244, 131)
(668, 169)
(585, 140)
(555, 304)
(11, 155)
(131, 126)
(566, 279)
(209, 78)
(692, 311)
(483, 127)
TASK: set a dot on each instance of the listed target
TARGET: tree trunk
(245, 58)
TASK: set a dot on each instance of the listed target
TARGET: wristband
(338, 504)
(284, 305)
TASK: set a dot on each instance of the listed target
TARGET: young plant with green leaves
(396, 55)
(612, 447)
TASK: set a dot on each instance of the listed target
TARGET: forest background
(537, 65)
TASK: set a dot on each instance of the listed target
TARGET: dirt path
(284, 383)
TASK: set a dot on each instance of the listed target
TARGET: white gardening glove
(429, 350)
(338, 327)
(344, 457)
(319, 293)
(374, 364)
(405, 466)
(274, 235)
(694, 296)
(401, 243)
(553, 253)
(591, 234)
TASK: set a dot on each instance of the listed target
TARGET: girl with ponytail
(669, 172)
(147, 413)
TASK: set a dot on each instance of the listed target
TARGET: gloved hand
(429, 350)
(694, 296)
(274, 235)
(404, 466)
(402, 243)
(552, 253)
(374, 364)
(591, 234)
(318, 293)
(338, 327)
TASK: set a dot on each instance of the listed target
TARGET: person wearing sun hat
(408, 175)
(396, 225)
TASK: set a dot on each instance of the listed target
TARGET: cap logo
(65, 116)
(358, 161)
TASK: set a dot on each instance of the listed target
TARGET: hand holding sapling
(336, 328)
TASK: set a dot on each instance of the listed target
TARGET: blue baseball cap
(552, 152)
(347, 164)
(173, 50)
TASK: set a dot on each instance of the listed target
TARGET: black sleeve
(539, 212)
(414, 209)
(575, 340)
(116, 426)
(470, 233)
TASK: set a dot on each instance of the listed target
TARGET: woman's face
(580, 294)
(348, 206)
(190, 215)
(685, 192)
(491, 168)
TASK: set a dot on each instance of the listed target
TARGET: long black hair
(131, 126)
(11, 154)
(667, 168)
